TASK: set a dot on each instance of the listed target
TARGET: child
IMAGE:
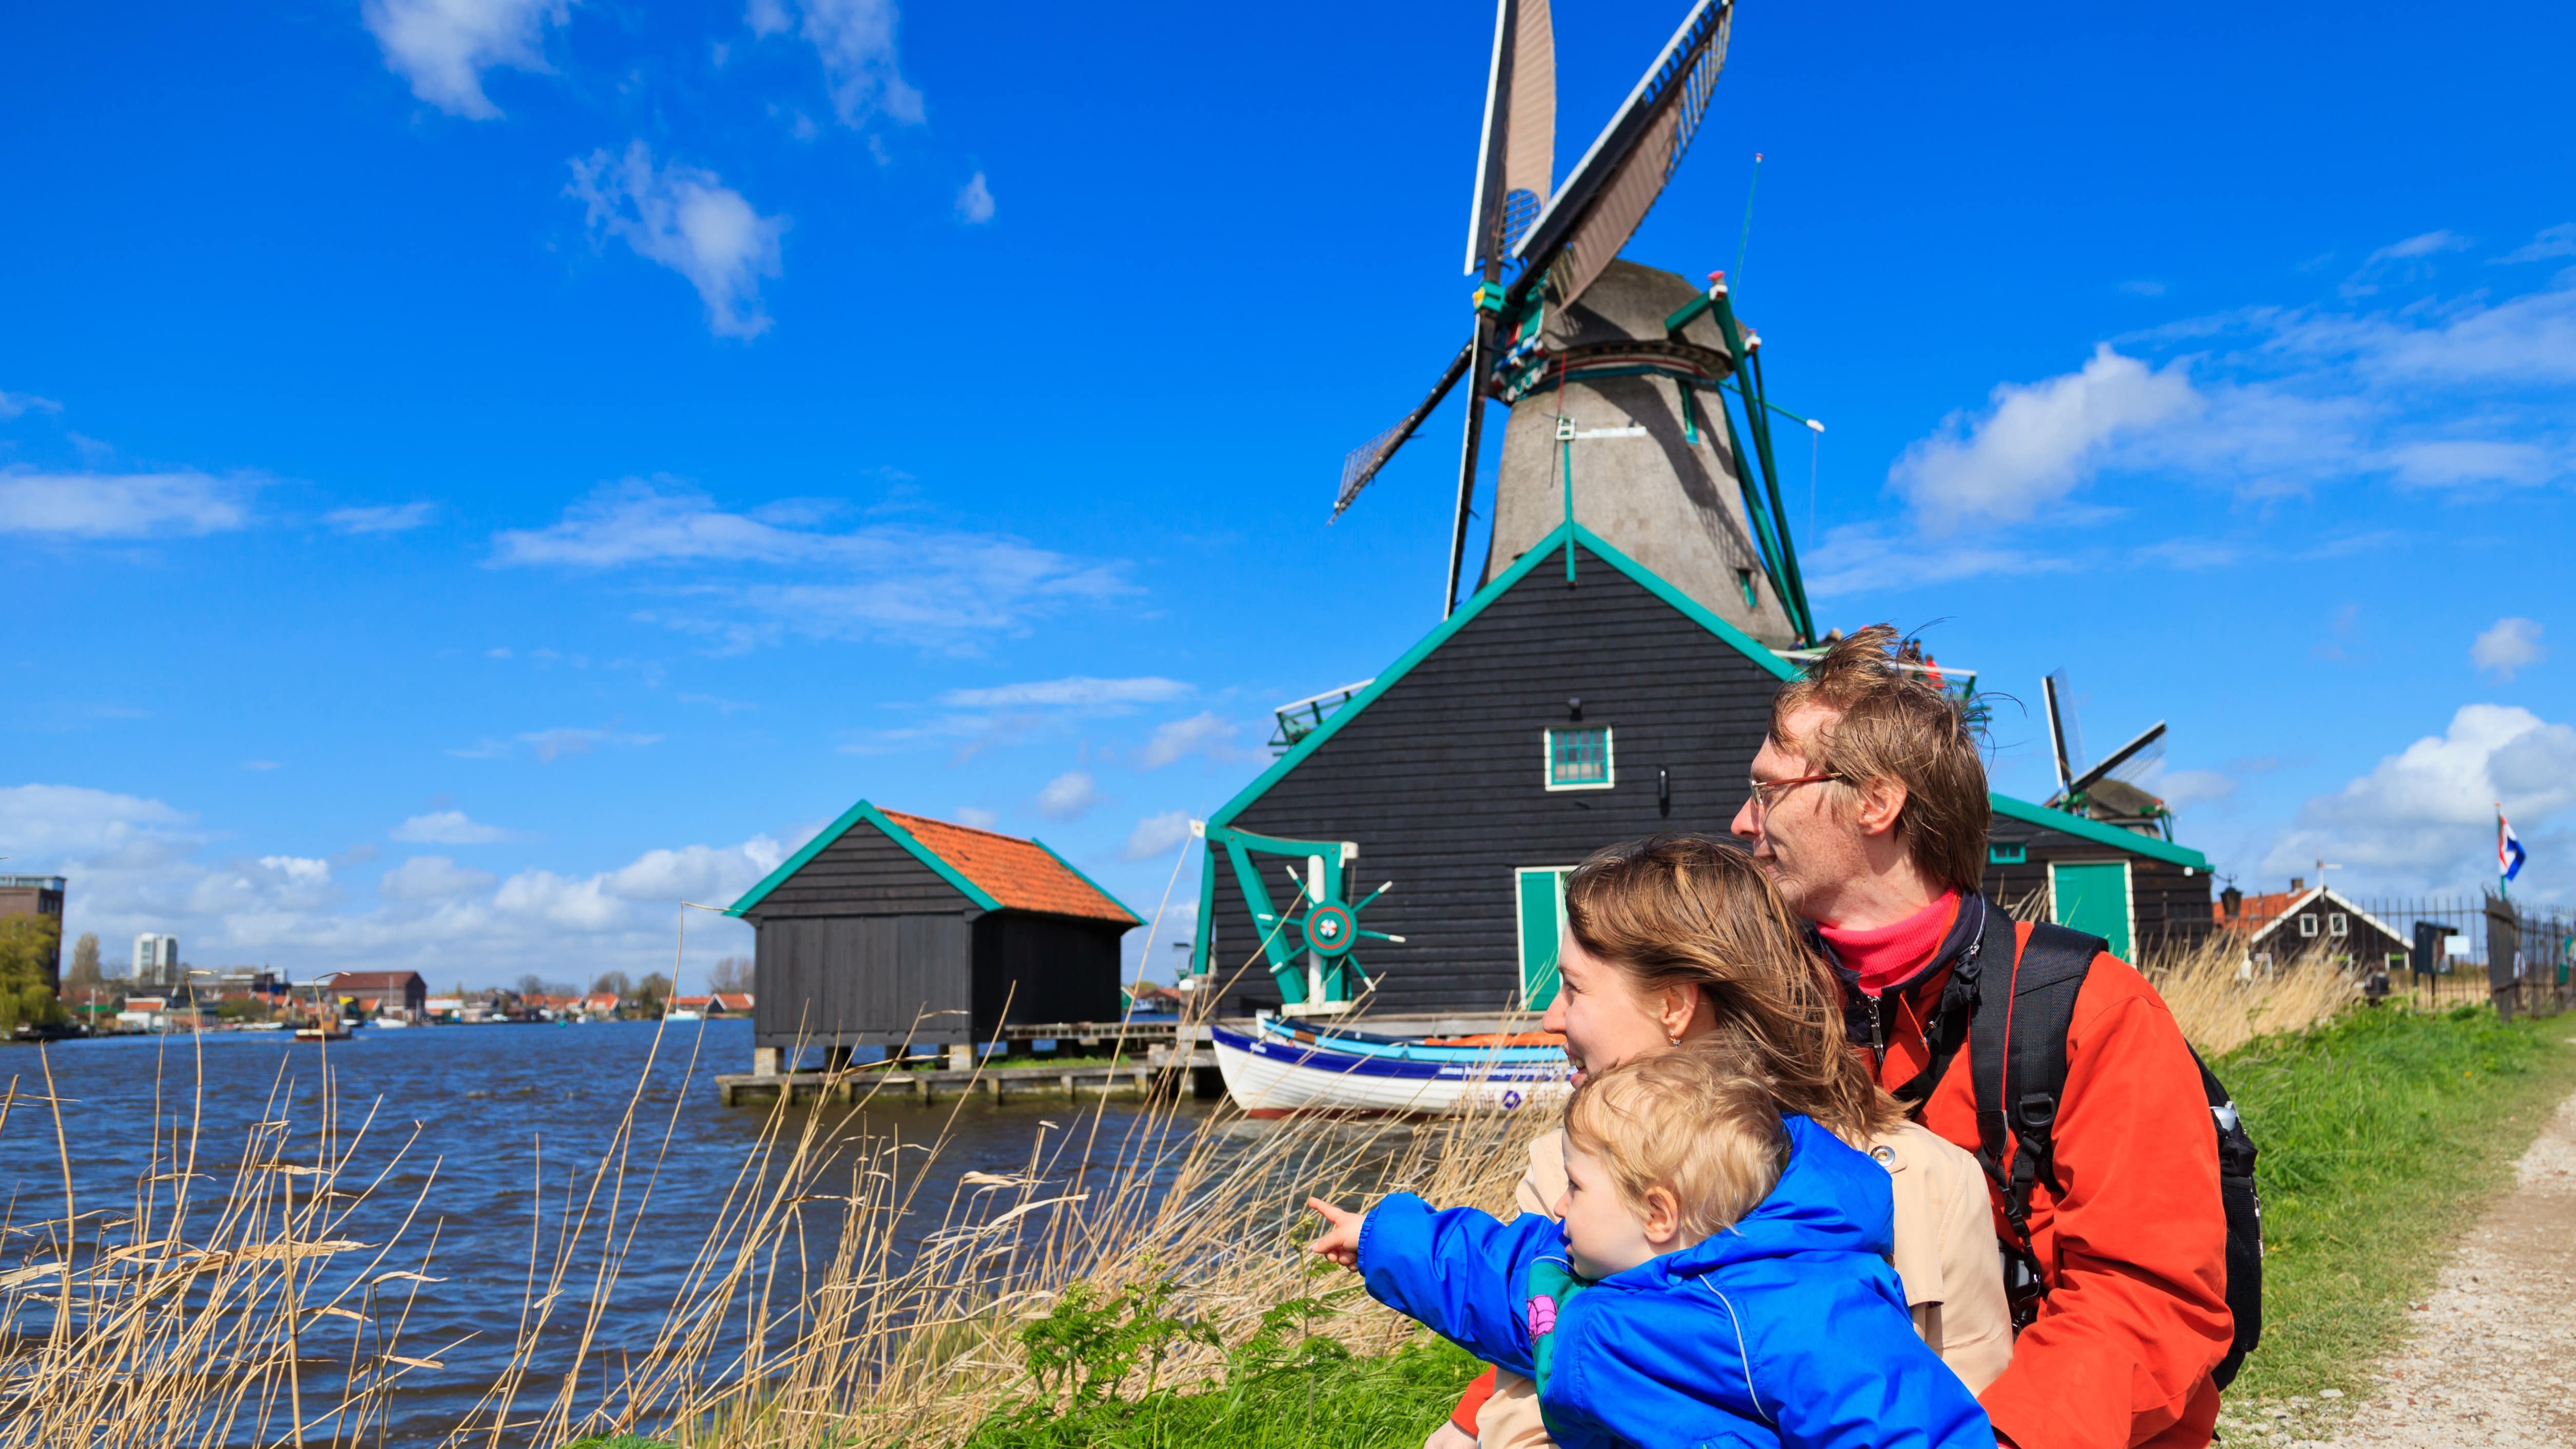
(1719, 1277)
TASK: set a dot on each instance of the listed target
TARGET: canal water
(483, 1109)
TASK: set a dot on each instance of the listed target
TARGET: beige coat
(1945, 1256)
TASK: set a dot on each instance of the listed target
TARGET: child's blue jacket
(1787, 1329)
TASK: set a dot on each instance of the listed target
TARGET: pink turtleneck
(1886, 955)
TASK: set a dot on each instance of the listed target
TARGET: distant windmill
(2107, 791)
(1614, 372)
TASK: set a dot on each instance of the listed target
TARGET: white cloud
(2183, 788)
(855, 40)
(431, 878)
(119, 505)
(1155, 835)
(2037, 442)
(2430, 243)
(980, 819)
(388, 518)
(687, 219)
(1076, 690)
(549, 746)
(447, 827)
(443, 46)
(2508, 645)
(975, 201)
(2459, 462)
(17, 404)
(2425, 816)
(1068, 796)
(1203, 733)
(932, 587)
(2553, 241)
(2402, 262)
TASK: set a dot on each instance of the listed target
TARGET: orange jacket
(2135, 1247)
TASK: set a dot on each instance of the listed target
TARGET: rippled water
(489, 1106)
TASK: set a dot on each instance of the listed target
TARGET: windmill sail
(1616, 183)
(1516, 151)
(1362, 462)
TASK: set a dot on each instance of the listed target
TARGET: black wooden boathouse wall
(1441, 780)
(867, 946)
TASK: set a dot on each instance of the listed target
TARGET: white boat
(682, 1013)
(388, 1023)
(1274, 1076)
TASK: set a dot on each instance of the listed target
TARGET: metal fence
(2438, 949)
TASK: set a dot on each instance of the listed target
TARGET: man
(1869, 809)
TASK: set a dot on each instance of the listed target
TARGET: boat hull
(1272, 1077)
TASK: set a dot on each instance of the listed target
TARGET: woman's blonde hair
(1681, 910)
(1688, 1121)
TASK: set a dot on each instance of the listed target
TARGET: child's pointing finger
(1340, 1241)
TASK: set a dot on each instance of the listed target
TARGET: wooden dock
(1156, 1069)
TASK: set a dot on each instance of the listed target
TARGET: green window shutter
(1541, 891)
(2094, 898)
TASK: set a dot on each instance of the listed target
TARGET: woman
(1680, 940)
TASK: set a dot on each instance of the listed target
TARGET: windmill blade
(1615, 184)
(1364, 461)
(2133, 751)
(2059, 727)
(1480, 363)
(1516, 150)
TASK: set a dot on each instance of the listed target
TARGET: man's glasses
(1767, 793)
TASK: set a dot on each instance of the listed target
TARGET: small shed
(890, 928)
(2321, 923)
(2126, 884)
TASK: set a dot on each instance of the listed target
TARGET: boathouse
(887, 929)
(1577, 700)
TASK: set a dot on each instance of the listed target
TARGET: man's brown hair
(1895, 722)
(1687, 1122)
(1687, 910)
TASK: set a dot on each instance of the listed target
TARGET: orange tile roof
(1021, 874)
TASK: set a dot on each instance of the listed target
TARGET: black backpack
(2027, 1019)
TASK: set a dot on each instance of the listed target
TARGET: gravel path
(2492, 1349)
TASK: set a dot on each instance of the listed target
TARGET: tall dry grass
(850, 1290)
(2221, 1005)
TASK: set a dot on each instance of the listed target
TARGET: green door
(1541, 893)
(2093, 898)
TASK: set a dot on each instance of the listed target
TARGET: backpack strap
(1988, 936)
(2017, 1066)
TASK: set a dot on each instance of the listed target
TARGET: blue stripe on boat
(1360, 1043)
(1323, 1059)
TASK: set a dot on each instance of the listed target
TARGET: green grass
(1354, 1403)
(2381, 1135)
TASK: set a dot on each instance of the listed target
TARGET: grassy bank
(2382, 1133)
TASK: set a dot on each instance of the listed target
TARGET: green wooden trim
(1132, 917)
(850, 819)
(1483, 598)
(2150, 846)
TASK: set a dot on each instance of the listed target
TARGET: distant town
(153, 988)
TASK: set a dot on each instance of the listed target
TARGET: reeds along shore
(266, 1306)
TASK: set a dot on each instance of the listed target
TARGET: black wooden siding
(2170, 903)
(866, 946)
(1441, 779)
(2362, 944)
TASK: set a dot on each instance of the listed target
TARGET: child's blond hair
(1691, 1121)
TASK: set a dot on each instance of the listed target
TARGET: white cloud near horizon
(1204, 733)
(120, 505)
(138, 864)
(447, 827)
(2553, 241)
(2507, 645)
(1068, 796)
(385, 518)
(19, 404)
(936, 588)
(855, 40)
(1155, 835)
(685, 218)
(975, 201)
(2425, 817)
(443, 47)
(2036, 442)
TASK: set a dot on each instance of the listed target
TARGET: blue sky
(474, 473)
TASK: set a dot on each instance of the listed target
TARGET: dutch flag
(2508, 848)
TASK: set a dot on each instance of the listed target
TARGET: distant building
(38, 895)
(394, 993)
(2282, 927)
(156, 960)
(233, 983)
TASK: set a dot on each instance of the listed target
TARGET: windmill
(2107, 791)
(1615, 373)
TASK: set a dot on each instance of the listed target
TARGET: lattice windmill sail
(2112, 790)
(1652, 458)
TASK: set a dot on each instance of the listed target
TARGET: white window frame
(1609, 760)
(2338, 924)
(2308, 923)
